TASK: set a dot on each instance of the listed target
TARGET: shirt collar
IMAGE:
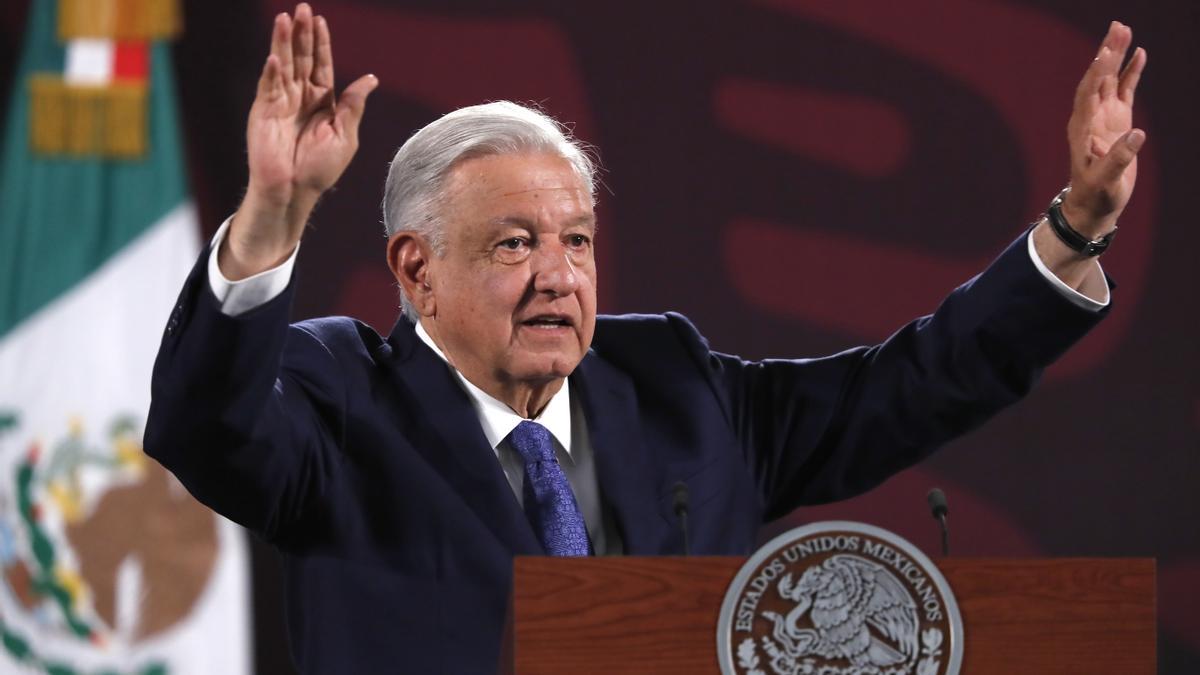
(497, 419)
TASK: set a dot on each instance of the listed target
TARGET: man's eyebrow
(510, 221)
(588, 220)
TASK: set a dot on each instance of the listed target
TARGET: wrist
(1068, 265)
(266, 220)
(289, 201)
(1083, 221)
(1086, 244)
(1067, 269)
(241, 255)
(263, 233)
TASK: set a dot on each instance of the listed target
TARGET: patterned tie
(549, 503)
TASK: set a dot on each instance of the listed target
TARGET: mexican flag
(107, 565)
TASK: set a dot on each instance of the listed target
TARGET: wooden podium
(659, 615)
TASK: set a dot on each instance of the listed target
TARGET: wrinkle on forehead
(560, 188)
(547, 176)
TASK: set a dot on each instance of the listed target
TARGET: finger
(1087, 98)
(270, 84)
(303, 42)
(352, 103)
(1109, 62)
(323, 73)
(1119, 38)
(1104, 65)
(1089, 85)
(1119, 156)
(1131, 75)
(281, 43)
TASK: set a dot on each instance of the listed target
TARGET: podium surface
(659, 614)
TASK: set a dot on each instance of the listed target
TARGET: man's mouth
(547, 321)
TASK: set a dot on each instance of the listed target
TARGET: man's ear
(408, 256)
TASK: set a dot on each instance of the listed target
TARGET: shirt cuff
(239, 297)
(1075, 297)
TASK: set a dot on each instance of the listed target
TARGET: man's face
(515, 293)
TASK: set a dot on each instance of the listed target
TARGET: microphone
(681, 511)
(937, 505)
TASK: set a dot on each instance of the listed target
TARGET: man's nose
(553, 272)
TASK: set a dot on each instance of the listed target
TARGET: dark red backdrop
(798, 176)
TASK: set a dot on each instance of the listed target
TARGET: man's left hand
(1102, 139)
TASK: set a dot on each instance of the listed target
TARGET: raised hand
(1101, 136)
(1103, 146)
(299, 139)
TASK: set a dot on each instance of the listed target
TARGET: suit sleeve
(818, 430)
(249, 436)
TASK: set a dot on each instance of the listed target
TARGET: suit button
(173, 322)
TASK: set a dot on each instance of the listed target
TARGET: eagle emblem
(858, 612)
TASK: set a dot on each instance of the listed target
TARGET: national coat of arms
(839, 598)
(100, 548)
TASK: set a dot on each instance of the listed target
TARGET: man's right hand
(299, 140)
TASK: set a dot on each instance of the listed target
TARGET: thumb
(353, 101)
(1113, 164)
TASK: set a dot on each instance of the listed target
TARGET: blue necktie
(549, 503)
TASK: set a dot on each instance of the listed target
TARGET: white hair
(414, 192)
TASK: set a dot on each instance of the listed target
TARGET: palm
(1113, 118)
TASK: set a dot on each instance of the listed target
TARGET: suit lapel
(459, 451)
(629, 482)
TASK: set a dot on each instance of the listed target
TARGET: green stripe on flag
(61, 218)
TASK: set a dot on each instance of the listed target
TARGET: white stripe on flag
(89, 61)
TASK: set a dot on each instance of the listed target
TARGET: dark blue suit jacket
(362, 460)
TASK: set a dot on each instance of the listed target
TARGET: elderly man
(399, 476)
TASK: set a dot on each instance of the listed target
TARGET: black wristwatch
(1068, 235)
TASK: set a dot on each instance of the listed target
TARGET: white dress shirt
(563, 416)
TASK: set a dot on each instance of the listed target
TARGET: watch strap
(1068, 235)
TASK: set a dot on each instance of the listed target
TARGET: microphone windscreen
(937, 502)
(681, 496)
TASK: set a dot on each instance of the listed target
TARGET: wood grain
(659, 615)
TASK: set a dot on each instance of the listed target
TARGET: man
(398, 477)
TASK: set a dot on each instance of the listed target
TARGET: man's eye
(578, 240)
(512, 244)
